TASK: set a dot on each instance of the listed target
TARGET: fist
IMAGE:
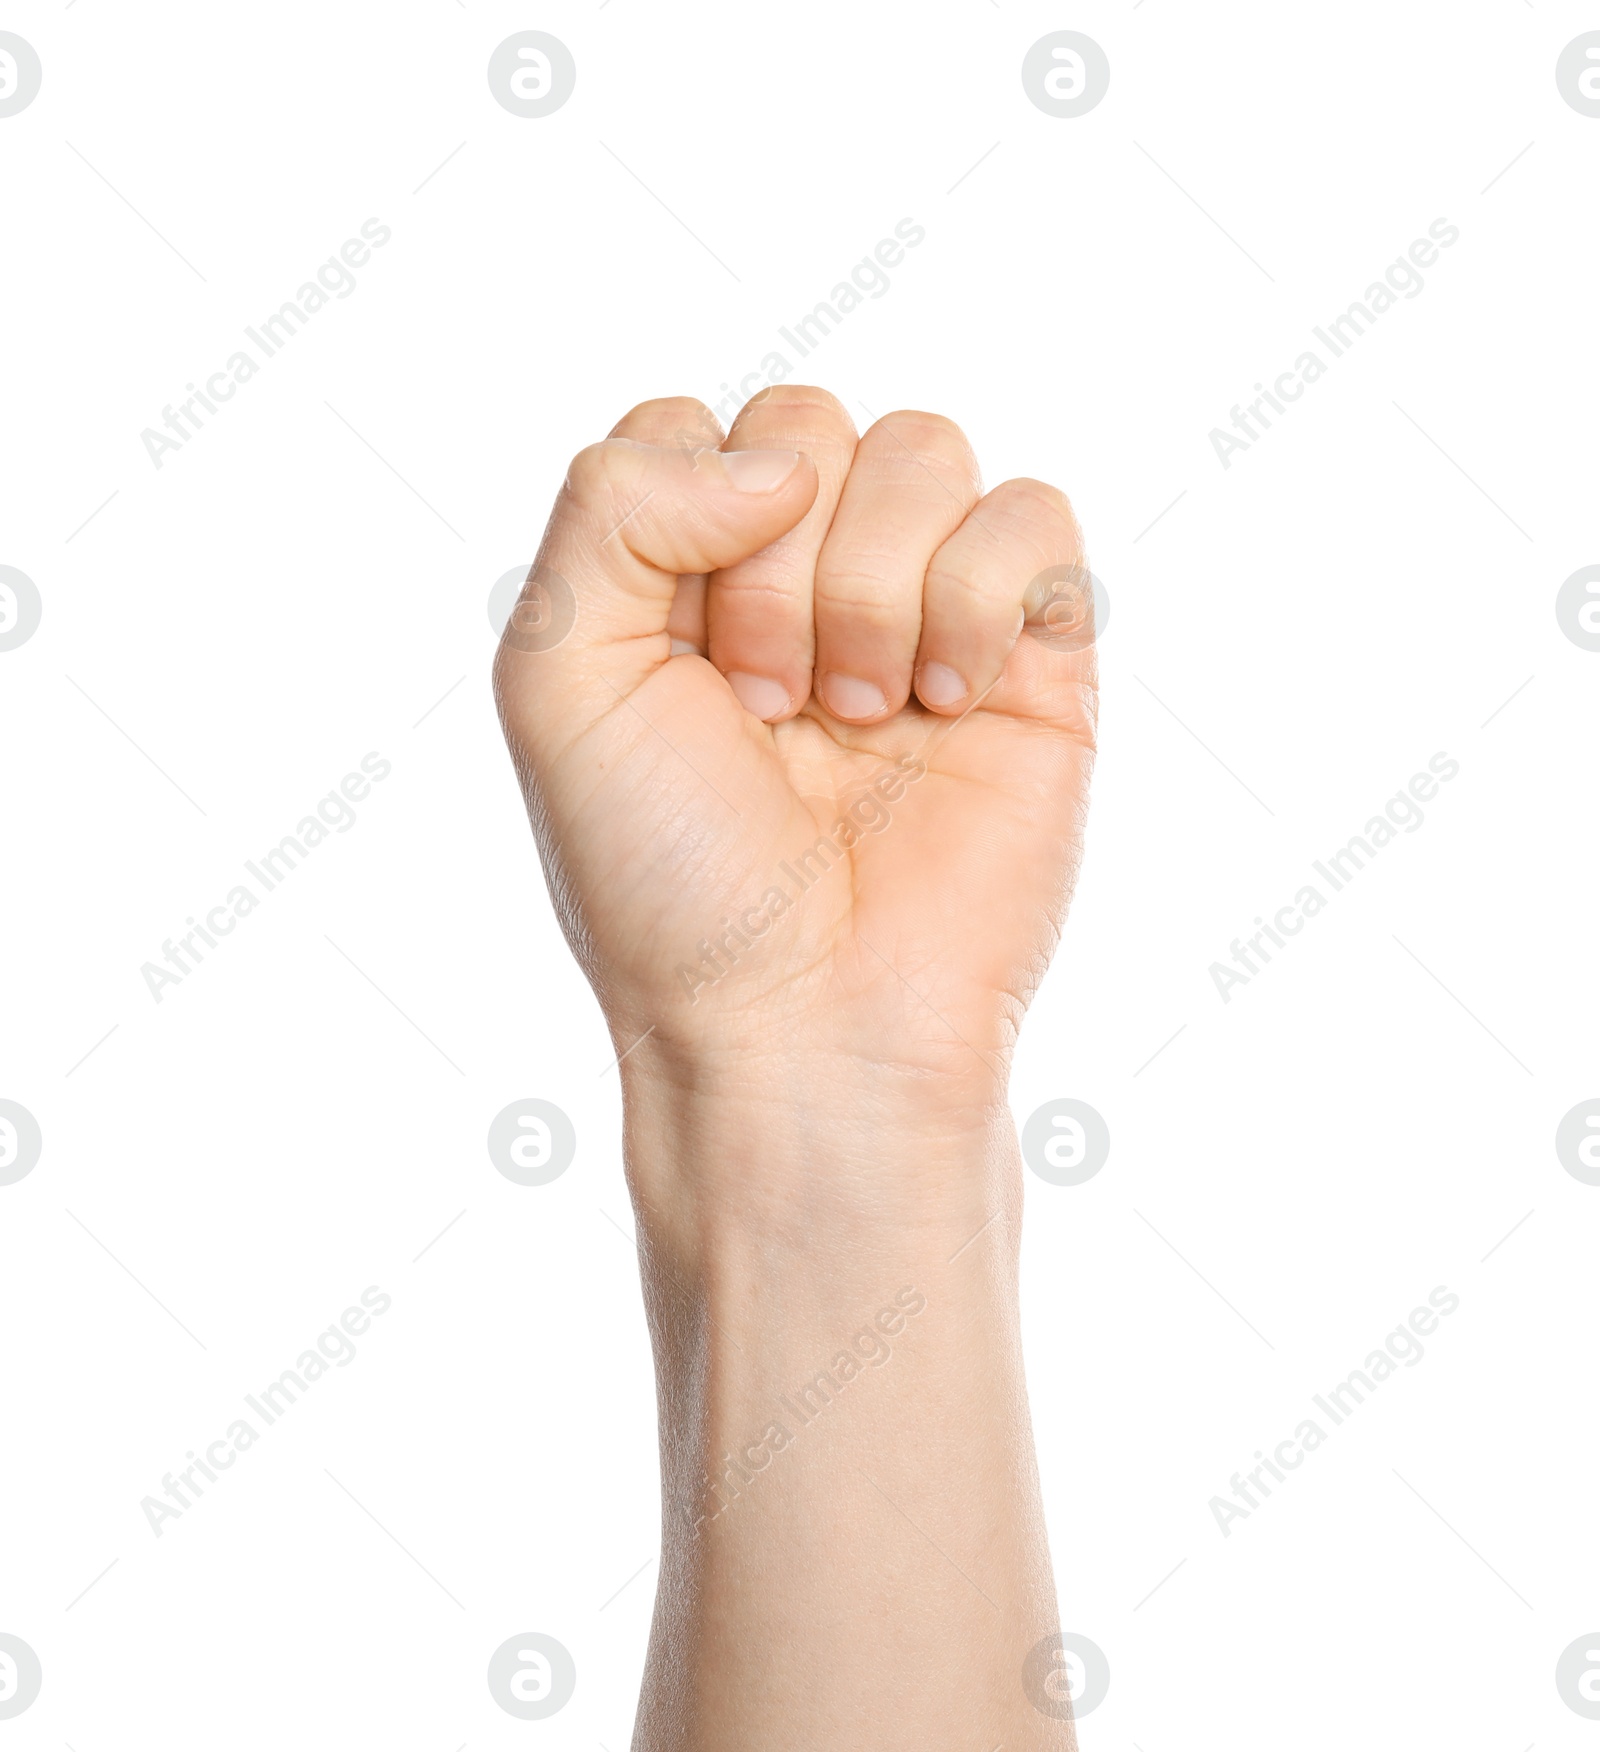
(804, 721)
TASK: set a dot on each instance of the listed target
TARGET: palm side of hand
(888, 888)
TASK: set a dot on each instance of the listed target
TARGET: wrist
(833, 1304)
(817, 1159)
(797, 1231)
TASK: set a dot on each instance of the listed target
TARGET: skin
(818, 1140)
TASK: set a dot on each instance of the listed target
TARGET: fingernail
(682, 648)
(759, 471)
(939, 685)
(847, 696)
(760, 695)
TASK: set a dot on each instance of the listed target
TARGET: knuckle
(799, 398)
(864, 597)
(760, 599)
(1043, 513)
(589, 473)
(599, 471)
(797, 416)
(922, 432)
(671, 413)
(924, 453)
(972, 590)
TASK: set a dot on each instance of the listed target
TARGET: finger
(974, 597)
(678, 422)
(671, 422)
(1051, 677)
(629, 521)
(758, 612)
(913, 480)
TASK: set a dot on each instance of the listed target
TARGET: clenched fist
(805, 721)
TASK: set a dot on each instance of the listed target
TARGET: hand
(802, 783)
(810, 800)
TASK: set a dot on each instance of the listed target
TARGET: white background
(1289, 643)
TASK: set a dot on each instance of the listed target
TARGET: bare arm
(810, 799)
(854, 1551)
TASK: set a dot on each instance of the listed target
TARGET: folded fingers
(976, 591)
(760, 612)
(912, 483)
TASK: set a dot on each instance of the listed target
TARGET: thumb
(629, 520)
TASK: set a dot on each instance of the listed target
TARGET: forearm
(853, 1546)
(804, 722)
